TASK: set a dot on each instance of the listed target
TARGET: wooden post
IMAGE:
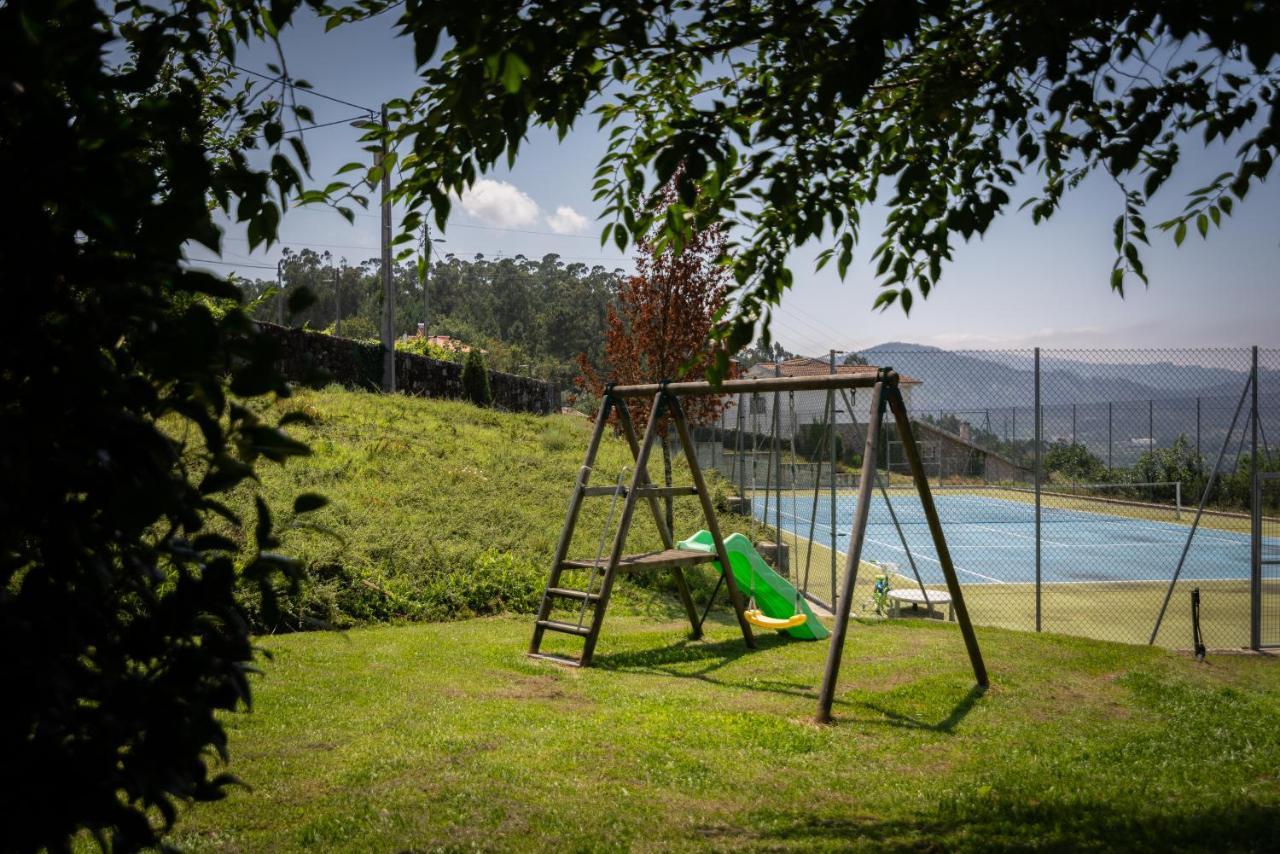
(713, 525)
(638, 478)
(844, 605)
(571, 517)
(659, 519)
(899, 410)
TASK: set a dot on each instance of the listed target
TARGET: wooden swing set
(593, 601)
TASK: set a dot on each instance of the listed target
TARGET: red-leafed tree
(659, 328)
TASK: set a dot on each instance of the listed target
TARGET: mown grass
(446, 737)
(440, 509)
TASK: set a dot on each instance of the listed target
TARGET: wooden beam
(713, 525)
(647, 491)
(912, 452)
(823, 382)
(844, 607)
(571, 519)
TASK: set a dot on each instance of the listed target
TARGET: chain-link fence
(1081, 491)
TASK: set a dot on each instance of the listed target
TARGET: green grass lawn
(446, 737)
(440, 509)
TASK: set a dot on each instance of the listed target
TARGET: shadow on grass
(1022, 824)
(701, 660)
(946, 726)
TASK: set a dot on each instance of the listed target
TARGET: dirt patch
(543, 687)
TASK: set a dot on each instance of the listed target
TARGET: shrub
(475, 380)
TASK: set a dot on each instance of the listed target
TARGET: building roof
(804, 366)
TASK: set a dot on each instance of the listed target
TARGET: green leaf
(1202, 225)
(514, 73)
(1180, 233)
(1117, 279)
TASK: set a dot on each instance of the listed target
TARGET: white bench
(913, 596)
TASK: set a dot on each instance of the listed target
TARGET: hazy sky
(1021, 285)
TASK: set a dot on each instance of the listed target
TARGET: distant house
(447, 342)
(810, 406)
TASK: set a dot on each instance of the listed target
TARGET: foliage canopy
(120, 132)
(789, 119)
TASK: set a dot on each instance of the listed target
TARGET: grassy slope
(446, 736)
(441, 509)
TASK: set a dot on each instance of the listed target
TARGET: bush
(357, 328)
(475, 380)
(1075, 462)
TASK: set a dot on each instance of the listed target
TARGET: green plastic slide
(774, 595)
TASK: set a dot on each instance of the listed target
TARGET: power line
(230, 263)
(510, 253)
(331, 124)
(283, 81)
(480, 227)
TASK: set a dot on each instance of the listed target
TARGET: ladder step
(580, 595)
(567, 628)
(604, 490)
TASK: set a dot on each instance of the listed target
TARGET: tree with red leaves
(660, 326)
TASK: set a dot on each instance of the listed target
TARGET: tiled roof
(803, 366)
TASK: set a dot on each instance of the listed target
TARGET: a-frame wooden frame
(668, 558)
(885, 393)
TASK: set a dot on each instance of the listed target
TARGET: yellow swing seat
(757, 618)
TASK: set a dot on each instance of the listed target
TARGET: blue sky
(1019, 286)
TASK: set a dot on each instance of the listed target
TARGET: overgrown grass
(445, 737)
(441, 510)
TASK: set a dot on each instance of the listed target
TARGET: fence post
(1109, 445)
(737, 457)
(831, 443)
(1197, 427)
(1039, 426)
(1073, 423)
(1255, 518)
(777, 462)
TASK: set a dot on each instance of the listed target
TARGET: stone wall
(315, 359)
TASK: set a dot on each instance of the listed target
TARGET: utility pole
(426, 274)
(337, 298)
(280, 292)
(388, 290)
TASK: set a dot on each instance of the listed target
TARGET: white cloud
(500, 204)
(567, 221)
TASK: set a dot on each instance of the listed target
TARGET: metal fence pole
(1039, 426)
(737, 457)
(831, 443)
(1109, 444)
(1073, 423)
(777, 453)
(1198, 427)
(1255, 518)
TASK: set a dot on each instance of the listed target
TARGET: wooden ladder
(606, 569)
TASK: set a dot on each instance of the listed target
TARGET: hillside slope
(439, 509)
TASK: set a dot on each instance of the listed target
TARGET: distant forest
(531, 316)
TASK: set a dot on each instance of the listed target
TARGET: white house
(809, 407)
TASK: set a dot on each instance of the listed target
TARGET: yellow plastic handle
(757, 618)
